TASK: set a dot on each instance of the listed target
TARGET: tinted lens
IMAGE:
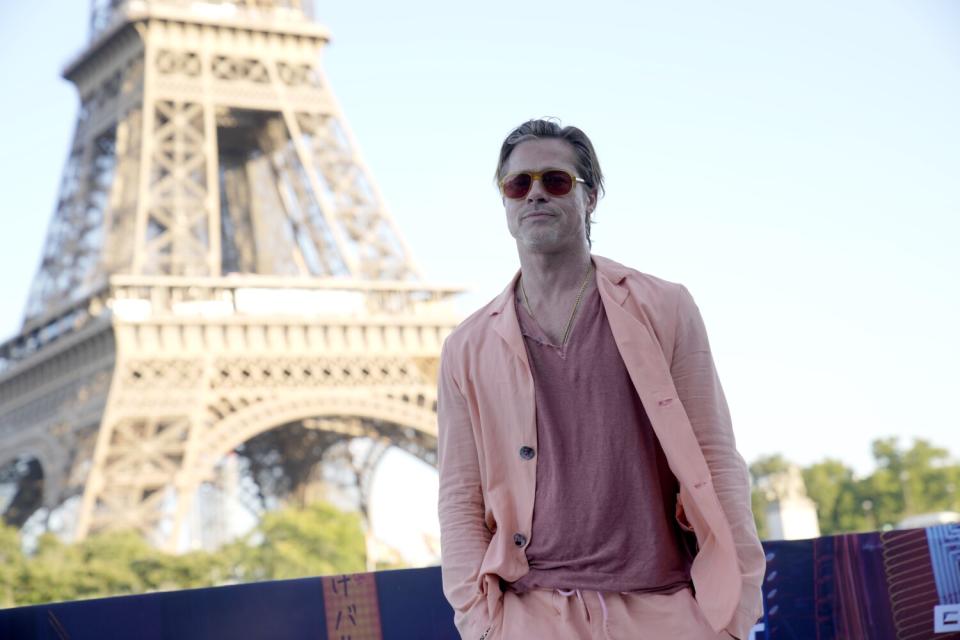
(557, 183)
(517, 186)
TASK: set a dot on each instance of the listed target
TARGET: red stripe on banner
(913, 588)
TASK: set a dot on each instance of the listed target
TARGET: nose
(537, 192)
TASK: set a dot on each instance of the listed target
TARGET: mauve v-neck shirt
(603, 515)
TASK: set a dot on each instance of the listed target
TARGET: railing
(105, 14)
(138, 298)
(877, 586)
(60, 321)
(249, 295)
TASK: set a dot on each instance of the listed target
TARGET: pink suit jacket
(486, 412)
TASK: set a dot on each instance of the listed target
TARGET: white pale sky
(796, 165)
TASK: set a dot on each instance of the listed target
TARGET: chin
(538, 237)
(543, 243)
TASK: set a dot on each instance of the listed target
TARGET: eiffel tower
(221, 280)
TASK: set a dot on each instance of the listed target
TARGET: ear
(592, 196)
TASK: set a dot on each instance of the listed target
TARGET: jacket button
(519, 539)
(527, 453)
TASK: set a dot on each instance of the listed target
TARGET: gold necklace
(573, 312)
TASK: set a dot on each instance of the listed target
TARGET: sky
(795, 165)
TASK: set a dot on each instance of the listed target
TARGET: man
(590, 486)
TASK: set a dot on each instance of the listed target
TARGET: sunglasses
(556, 182)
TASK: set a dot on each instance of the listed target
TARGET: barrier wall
(898, 585)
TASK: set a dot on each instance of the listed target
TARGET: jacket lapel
(516, 407)
(505, 321)
(643, 357)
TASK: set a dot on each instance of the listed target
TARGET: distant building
(791, 515)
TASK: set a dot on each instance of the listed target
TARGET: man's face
(541, 222)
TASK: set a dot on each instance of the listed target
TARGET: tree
(921, 479)
(930, 479)
(11, 564)
(909, 482)
(832, 486)
(317, 540)
(290, 543)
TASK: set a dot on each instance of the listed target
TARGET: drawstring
(568, 593)
(603, 607)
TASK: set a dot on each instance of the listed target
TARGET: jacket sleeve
(699, 390)
(464, 536)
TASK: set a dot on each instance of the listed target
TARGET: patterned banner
(896, 585)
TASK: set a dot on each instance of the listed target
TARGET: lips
(538, 214)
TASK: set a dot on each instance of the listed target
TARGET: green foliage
(769, 465)
(832, 486)
(921, 479)
(316, 540)
(11, 564)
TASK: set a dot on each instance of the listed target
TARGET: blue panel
(412, 605)
(287, 610)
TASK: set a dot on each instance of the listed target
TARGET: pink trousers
(591, 615)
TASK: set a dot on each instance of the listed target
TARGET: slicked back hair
(585, 157)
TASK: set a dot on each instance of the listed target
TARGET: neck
(547, 275)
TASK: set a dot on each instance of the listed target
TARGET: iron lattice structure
(220, 278)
